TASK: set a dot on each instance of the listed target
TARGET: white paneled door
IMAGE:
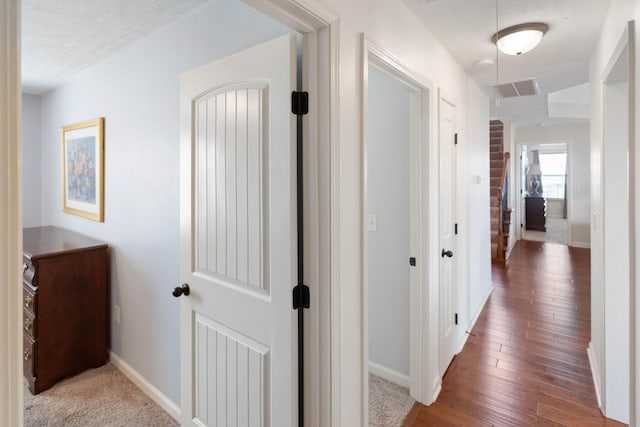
(237, 232)
(447, 187)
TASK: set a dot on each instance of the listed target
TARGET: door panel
(231, 172)
(230, 376)
(238, 250)
(447, 336)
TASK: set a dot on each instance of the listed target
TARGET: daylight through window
(554, 174)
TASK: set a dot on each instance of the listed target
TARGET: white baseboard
(436, 389)
(389, 374)
(595, 373)
(580, 245)
(465, 336)
(510, 248)
(156, 395)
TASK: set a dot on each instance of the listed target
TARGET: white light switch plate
(373, 223)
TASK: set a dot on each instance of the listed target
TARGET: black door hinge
(455, 139)
(456, 318)
(301, 297)
(456, 228)
(299, 103)
(412, 261)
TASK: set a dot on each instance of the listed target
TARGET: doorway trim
(626, 45)
(424, 380)
(11, 402)
(520, 217)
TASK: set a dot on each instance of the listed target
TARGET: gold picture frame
(83, 169)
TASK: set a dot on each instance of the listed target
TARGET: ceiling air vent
(521, 88)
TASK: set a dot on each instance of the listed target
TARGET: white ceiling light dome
(520, 38)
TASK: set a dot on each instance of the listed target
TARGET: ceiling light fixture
(520, 38)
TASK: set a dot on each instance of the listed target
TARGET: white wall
(476, 231)
(137, 91)
(620, 12)
(578, 145)
(31, 175)
(388, 199)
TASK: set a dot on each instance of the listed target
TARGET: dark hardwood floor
(525, 363)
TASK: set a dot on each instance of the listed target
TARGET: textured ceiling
(63, 37)
(465, 28)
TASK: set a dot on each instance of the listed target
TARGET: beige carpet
(96, 398)
(389, 403)
(557, 232)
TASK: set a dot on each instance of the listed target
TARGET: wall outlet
(116, 314)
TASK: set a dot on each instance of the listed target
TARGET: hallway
(525, 363)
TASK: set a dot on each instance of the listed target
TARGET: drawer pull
(28, 301)
(28, 323)
(27, 354)
(25, 267)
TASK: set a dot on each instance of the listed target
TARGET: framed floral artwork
(83, 169)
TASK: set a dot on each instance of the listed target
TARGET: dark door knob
(447, 253)
(181, 290)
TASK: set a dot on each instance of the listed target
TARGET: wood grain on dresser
(65, 290)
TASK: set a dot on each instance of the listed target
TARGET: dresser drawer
(28, 271)
(30, 324)
(29, 358)
(29, 300)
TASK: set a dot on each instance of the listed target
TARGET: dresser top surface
(41, 242)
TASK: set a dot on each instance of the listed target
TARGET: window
(554, 174)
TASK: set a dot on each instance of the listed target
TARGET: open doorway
(388, 246)
(397, 158)
(545, 201)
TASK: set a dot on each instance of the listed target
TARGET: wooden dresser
(536, 213)
(65, 305)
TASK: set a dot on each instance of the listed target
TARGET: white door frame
(519, 197)
(626, 44)
(11, 402)
(424, 380)
(634, 220)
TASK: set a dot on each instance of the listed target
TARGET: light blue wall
(137, 92)
(31, 176)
